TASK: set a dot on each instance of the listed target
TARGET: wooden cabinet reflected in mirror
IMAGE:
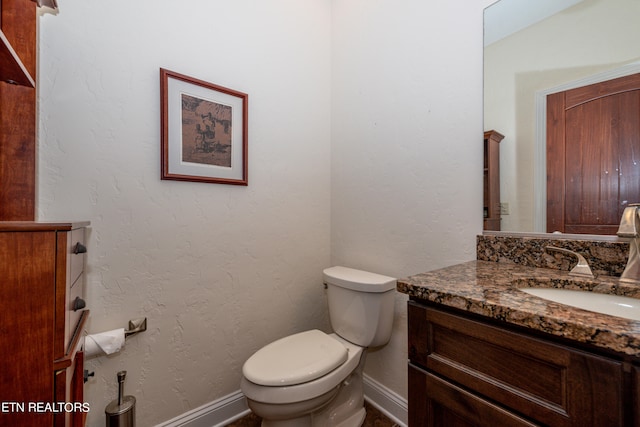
(492, 180)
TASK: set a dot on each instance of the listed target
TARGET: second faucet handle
(582, 267)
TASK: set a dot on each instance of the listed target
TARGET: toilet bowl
(288, 401)
(313, 379)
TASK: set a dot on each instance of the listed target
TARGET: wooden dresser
(41, 323)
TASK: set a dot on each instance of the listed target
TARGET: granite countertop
(491, 289)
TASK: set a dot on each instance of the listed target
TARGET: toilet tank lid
(358, 280)
(295, 359)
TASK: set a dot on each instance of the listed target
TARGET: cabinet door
(69, 387)
(77, 391)
(27, 269)
(61, 382)
(636, 396)
(551, 383)
(435, 402)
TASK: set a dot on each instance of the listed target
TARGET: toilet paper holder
(136, 326)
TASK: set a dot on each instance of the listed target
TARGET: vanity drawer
(69, 286)
(77, 250)
(77, 291)
(547, 382)
(442, 403)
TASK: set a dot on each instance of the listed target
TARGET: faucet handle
(581, 268)
(629, 222)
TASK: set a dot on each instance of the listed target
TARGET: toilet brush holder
(121, 412)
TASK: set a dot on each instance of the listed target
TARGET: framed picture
(203, 131)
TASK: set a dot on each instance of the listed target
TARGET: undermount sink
(614, 305)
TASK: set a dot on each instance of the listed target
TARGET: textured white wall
(218, 270)
(406, 144)
(372, 108)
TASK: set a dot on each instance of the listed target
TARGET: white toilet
(313, 379)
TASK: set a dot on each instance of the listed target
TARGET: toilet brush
(121, 412)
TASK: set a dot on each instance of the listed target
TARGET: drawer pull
(78, 304)
(79, 248)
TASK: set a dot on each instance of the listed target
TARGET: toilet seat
(308, 390)
(295, 359)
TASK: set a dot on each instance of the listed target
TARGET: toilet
(314, 379)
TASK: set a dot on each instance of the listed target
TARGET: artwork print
(206, 132)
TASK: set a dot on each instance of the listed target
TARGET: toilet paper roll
(104, 343)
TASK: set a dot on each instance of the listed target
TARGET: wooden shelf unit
(12, 70)
(492, 180)
(18, 51)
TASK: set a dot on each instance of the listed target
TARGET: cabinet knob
(79, 248)
(78, 304)
(88, 374)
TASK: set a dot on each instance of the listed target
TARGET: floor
(374, 418)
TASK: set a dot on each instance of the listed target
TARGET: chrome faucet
(630, 227)
(582, 267)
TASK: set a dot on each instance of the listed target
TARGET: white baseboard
(225, 410)
(386, 401)
(218, 413)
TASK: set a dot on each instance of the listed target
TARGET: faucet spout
(581, 268)
(630, 227)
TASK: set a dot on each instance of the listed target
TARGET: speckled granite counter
(491, 289)
(607, 257)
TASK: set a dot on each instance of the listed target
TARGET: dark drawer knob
(78, 304)
(88, 374)
(79, 248)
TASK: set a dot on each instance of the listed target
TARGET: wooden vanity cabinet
(465, 371)
(42, 317)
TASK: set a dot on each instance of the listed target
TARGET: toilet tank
(361, 305)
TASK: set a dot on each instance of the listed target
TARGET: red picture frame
(204, 131)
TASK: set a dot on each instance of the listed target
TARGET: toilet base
(281, 415)
(356, 420)
(345, 409)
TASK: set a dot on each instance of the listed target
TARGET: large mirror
(534, 48)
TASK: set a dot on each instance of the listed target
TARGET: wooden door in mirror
(593, 155)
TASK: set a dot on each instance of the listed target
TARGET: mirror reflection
(542, 48)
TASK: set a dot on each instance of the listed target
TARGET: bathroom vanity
(482, 352)
(41, 323)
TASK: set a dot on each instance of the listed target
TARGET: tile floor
(374, 419)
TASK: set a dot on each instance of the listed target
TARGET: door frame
(540, 148)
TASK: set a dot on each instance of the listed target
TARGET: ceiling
(506, 17)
